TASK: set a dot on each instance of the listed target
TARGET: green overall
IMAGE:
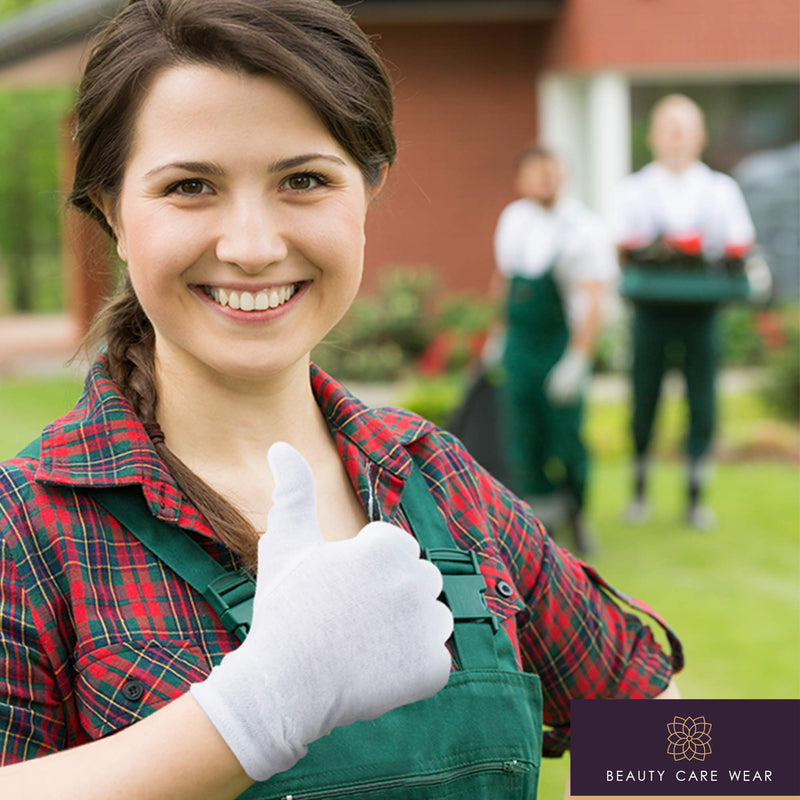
(479, 738)
(545, 451)
(672, 334)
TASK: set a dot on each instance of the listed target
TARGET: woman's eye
(303, 181)
(191, 186)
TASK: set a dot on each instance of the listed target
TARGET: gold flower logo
(689, 738)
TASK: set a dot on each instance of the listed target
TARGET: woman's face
(241, 220)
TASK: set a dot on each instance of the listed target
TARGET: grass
(732, 595)
(28, 404)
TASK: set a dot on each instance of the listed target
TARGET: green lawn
(28, 404)
(733, 595)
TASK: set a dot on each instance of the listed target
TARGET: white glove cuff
(262, 742)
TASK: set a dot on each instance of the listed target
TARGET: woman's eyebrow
(211, 168)
(298, 161)
(202, 167)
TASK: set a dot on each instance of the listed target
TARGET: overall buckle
(463, 584)
(231, 596)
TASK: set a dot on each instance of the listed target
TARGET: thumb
(292, 523)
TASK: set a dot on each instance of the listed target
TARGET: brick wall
(730, 35)
(466, 104)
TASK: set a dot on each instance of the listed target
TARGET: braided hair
(314, 48)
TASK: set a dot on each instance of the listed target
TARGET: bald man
(679, 210)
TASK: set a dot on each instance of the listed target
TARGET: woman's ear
(374, 189)
(107, 207)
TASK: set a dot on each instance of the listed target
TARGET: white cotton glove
(493, 348)
(341, 631)
(760, 279)
(564, 383)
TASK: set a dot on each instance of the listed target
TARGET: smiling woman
(235, 189)
(232, 151)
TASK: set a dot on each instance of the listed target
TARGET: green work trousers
(666, 335)
(546, 454)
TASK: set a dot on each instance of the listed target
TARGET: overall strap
(230, 593)
(477, 646)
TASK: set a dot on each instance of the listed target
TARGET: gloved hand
(341, 631)
(493, 348)
(565, 380)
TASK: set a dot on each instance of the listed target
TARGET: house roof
(51, 25)
(63, 22)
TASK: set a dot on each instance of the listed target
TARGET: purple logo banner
(685, 747)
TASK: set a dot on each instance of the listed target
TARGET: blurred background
(476, 81)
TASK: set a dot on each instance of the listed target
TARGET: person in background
(556, 270)
(677, 210)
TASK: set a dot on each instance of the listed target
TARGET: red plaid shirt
(97, 632)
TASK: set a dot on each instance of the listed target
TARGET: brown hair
(313, 47)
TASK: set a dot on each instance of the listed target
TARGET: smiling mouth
(252, 301)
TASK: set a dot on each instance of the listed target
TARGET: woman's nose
(251, 237)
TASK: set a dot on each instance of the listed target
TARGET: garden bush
(406, 327)
(740, 341)
(781, 387)
(382, 333)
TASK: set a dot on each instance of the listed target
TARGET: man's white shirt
(530, 239)
(696, 202)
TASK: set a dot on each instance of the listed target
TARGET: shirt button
(132, 690)
(505, 589)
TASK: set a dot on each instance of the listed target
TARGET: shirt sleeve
(738, 229)
(505, 241)
(574, 633)
(31, 714)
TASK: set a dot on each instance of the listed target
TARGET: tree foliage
(10, 7)
(30, 197)
(30, 121)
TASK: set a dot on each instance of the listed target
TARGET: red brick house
(476, 80)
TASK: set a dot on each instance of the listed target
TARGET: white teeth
(246, 301)
(253, 301)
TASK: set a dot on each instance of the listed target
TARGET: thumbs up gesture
(341, 631)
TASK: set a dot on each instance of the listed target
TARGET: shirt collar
(693, 171)
(380, 434)
(100, 442)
